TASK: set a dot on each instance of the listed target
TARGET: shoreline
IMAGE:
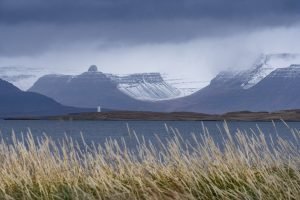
(286, 115)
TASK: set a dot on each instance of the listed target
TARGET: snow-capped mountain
(145, 86)
(262, 67)
(266, 65)
(273, 83)
(278, 91)
(94, 88)
(89, 89)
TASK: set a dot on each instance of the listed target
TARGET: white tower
(98, 109)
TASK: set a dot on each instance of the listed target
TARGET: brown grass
(248, 168)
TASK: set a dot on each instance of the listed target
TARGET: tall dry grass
(246, 167)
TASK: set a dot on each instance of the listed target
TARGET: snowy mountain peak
(261, 68)
(266, 64)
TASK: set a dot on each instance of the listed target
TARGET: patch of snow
(145, 86)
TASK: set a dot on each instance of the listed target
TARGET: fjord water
(99, 131)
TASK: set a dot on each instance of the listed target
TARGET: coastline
(286, 115)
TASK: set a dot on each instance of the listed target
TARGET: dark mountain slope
(14, 102)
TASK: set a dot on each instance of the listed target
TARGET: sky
(187, 39)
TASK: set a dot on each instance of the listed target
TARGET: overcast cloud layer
(184, 38)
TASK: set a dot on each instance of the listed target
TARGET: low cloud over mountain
(196, 38)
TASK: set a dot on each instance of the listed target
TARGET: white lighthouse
(98, 109)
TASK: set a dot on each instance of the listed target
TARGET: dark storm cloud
(32, 27)
(194, 38)
(74, 11)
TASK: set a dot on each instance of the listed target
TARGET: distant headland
(286, 115)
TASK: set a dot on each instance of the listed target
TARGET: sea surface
(97, 132)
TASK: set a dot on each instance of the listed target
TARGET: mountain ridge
(227, 91)
(87, 90)
(271, 84)
(94, 88)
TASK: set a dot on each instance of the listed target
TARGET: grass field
(246, 168)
